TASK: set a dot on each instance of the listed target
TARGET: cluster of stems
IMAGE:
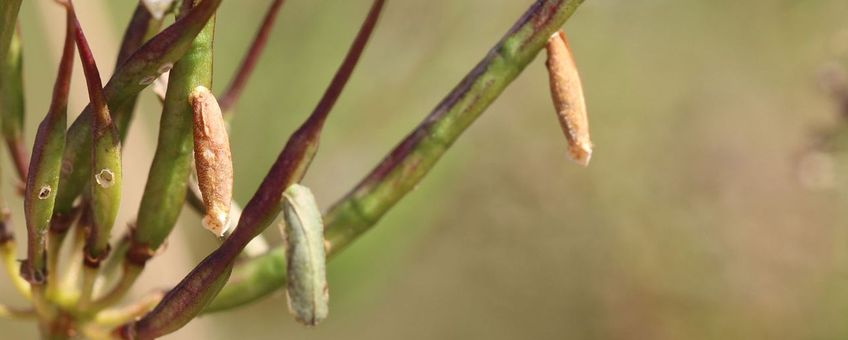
(72, 180)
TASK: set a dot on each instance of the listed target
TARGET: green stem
(8, 255)
(233, 92)
(410, 161)
(66, 292)
(11, 85)
(43, 178)
(251, 280)
(114, 317)
(12, 97)
(105, 176)
(136, 73)
(142, 27)
(128, 276)
(8, 20)
(165, 192)
(16, 313)
(109, 271)
(202, 284)
(89, 276)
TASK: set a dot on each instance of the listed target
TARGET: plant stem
(106, 168)
(67, 292)
(413, 157)
(234, 90)
(114, 317)
(12, 95)
(11, 85)
(43, 175)
(165, 191)
(141, 28)
(15, 313)
(202, 284)
(128, 276)
(110, 270)
(410, 161)
(135, 74)
(10, 263)
(8, 20)
(89, 276)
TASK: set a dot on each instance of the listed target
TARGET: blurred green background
(690, 223)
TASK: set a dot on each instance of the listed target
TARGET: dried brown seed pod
(567, 94)
(212, 159)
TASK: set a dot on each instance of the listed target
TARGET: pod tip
(216, 223)
(580, 153)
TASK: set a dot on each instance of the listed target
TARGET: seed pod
(12, 98)
(567, 94)
(306, 290)
(212, 159)
(46, 161)
(163, 49)
(105, 184)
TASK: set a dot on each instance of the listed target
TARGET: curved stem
(128, 276)
(412, 158)
(233, 92)
(11, 86)
(134, 75)
(16, 313)
(8, 253)
(202, 284)
(114, 317)
(165, 190)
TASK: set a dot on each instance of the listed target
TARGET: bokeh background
(690, 222)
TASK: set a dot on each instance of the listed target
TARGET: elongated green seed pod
(13, 107)
(136, 73)
(307, 292)
(407, 164)
(166, 187)
(12, 102)
(567, 94)
(105, 180)
(11, 95)
(8, 19)
(105, 189)
(46, 161)
(199, 287)
(212, 159)
(142, 27)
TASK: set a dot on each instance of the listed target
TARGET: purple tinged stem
(203, 283)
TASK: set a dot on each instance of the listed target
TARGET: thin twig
(8, 253)
(234, 90)
(117, 316)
